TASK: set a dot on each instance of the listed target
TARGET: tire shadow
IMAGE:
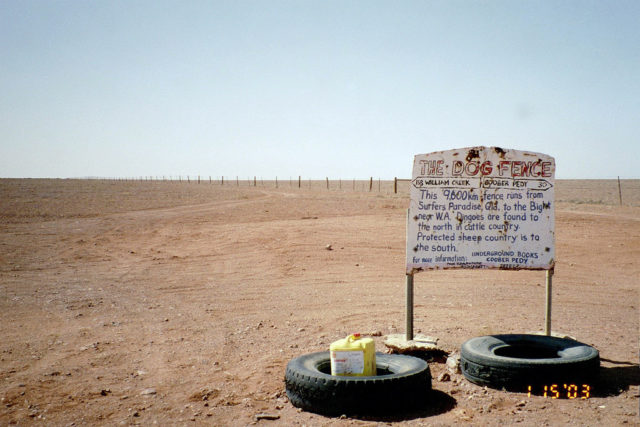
(438, 403)
(615, 380)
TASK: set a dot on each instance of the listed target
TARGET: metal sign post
(547, 317)
(409, 298)
(409, 294)
(481, 207)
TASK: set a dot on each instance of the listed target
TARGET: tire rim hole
(526, 351)
(325, 368)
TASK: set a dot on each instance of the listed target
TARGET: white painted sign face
(481, 207)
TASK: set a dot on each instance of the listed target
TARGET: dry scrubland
(181, 303)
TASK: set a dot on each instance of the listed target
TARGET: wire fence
(367, 185)
(580, 191)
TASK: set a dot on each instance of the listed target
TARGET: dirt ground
(176, 303)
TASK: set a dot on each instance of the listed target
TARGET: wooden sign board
(481, 207)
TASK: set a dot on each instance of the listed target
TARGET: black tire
(514, 361)
(403, 382)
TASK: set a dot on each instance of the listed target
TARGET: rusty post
(327, 183)
(619, 191)
(395, 185)
(409, 318)
(409, 298)
(299, 181)
(222, 180)
(370, 183)
(547, 317)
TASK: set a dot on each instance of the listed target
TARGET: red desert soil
(181, 303)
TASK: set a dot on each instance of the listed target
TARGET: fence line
(256, 181)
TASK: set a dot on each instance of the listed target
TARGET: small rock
(148, 391)
(453, 363)
(328, 247)
(263, 416)
(488, 408)
(464, 415)
(444, 377)
(521, 404)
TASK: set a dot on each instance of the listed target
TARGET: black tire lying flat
(515, 361)
(403, 382)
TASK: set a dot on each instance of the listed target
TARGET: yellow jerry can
(353, 356)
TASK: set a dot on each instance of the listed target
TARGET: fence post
(276, 182)
(370, 183)
(327, 183)
(395, 185)
(299, 179)
(619, 191)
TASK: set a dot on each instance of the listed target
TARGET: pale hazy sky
(314, 88)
